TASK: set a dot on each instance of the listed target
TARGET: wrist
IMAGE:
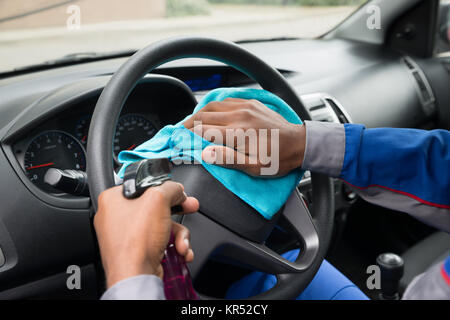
(298, 146)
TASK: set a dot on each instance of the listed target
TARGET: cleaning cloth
(265, 194)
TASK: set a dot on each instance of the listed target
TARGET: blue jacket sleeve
(402, 169)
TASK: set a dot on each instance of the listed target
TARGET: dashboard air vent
(423, 88)
(339, 112)
(323, 107)
(408, 62)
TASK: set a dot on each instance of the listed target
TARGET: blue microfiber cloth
(175, 142)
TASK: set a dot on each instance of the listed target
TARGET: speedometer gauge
(52, 149)
(131, 131)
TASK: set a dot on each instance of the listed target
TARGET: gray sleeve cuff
(325, 147)
(142, 287)
(429, 285)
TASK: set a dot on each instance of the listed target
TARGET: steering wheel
(224, 225)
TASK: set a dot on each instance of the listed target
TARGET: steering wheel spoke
(211, 239)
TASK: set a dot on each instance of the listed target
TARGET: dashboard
(56, 135)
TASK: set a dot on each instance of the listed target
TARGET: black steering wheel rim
(114, 95)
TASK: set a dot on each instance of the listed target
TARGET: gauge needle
(84, 139)
(41, 165)
(131, 147)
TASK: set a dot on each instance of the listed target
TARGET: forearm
(402, 169)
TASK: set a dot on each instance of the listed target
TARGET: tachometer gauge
(131, 131)
(52, 149)
(82, 129)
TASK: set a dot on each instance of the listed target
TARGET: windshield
(32, 32)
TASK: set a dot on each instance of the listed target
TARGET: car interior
(51, 117)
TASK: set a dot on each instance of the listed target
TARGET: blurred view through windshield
(33, 31)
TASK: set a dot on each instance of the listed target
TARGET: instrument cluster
(61, 143)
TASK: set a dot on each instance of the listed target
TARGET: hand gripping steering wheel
(225, 225)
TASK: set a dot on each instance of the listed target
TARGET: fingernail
(186, 241)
